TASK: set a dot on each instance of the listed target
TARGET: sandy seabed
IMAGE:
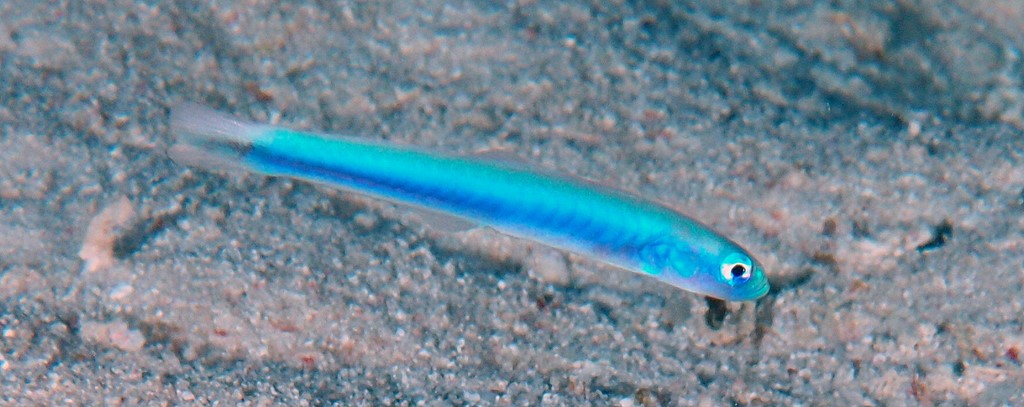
(869, 153)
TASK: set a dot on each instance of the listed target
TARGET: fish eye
(736, 269)
(739, 270)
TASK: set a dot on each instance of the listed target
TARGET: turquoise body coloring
(603, 223)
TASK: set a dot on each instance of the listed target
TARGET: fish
(600, 222)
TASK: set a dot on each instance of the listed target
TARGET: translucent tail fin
(210, 139)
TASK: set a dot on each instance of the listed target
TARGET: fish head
(717, 268)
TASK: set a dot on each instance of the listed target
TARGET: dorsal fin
(507, 157)
(511, 160)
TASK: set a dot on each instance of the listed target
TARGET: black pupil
(738, 270)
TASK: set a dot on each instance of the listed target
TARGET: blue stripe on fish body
(603, 223)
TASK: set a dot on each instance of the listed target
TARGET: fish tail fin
(211, 139)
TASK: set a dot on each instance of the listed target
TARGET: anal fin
(440, 221)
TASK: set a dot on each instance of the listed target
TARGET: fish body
(604, 223)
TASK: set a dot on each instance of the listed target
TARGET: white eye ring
(736, 272)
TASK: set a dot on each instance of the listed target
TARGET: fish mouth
(754, 292)
(763, 289)
(750, 292)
